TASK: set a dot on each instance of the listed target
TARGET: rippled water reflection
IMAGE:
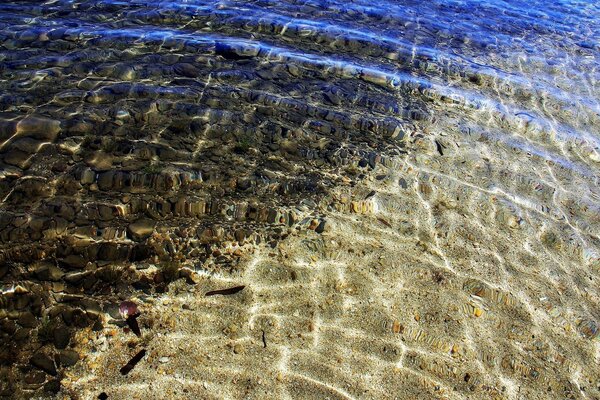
(408, 190)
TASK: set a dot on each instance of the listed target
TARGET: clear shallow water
(188, 133)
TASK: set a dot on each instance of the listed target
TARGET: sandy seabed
(450, 147)
(424, 284)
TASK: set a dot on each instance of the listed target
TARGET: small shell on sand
(128, 308)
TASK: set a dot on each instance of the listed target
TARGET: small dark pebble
(321, 227)
(8, 326)
(3, 270)
(439, 147)
(371, 194)
(228, 291)
(158, 278)
(79, 318)
(402, 183)
(43, 362)
(97, 326)
(534, 374)
(61, 337)
(373, 160)
(229, 52)
(52, 386)
(587, 44)
(244, 184)
(68, 358)
(27, 320)
(35, 378)
(22, 335)
(103, 396)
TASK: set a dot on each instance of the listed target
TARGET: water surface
(408, 190)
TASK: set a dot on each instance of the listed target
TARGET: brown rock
(35, 378)
(17, 158)
(27, 320)
(43, 362)
(87, 177)
(7, 128)
(61, 337)
(48, 272)
(99, 161)
(141, 229)
(75, 261)
(39, 128)
(68, 358)
(28, 145)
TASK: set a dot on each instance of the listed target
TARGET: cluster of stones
(111, 158)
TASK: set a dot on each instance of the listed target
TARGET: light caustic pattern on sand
(447, 287)
(408, 190)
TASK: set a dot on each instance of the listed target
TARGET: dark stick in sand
(132, 363)
(383, 221)
(232, 290)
